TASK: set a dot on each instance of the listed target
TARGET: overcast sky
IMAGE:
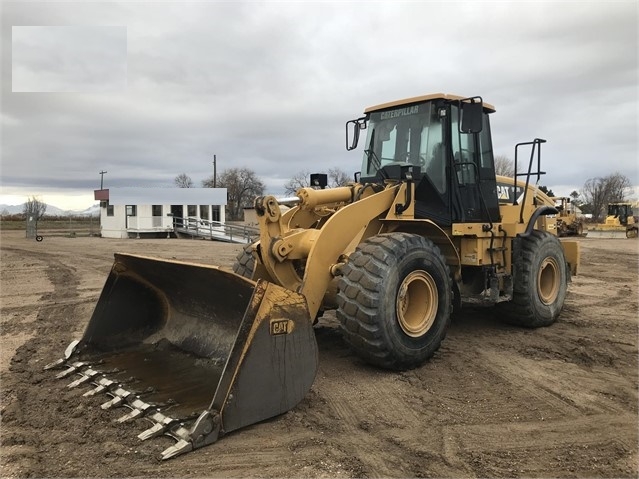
(148, 90)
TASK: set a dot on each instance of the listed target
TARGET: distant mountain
(51, 210)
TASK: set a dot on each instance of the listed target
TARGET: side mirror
(353, 127)
(471, 110)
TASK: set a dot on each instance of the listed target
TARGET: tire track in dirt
(548, 439)
(556, 386)
(60, 306)
(386, 423)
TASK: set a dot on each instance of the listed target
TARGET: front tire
(540, 282)
(245, 262)
(395, 300)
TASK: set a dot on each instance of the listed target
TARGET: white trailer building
(159, 212)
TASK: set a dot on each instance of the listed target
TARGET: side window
(431, 152)
(388, 138)
(485, 144)
(131, 210)
(109, 209)
(463, 151)
(191, 210)
(156, 210)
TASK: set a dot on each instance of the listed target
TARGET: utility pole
(214, 170)
(102, 179)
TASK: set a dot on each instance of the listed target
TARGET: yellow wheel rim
(548, 281)
(417, 303)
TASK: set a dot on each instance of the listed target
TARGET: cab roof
(417, 99)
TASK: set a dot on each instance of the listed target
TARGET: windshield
(408, 134)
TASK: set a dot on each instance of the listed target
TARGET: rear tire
(540, 282)
(245, 262)
(395, 300)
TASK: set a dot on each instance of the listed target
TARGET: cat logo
(503, 192)
(281, 326)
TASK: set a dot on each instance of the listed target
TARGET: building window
(131, 210)
(191, 210)
(109, 209)
(215, 213)
(204, 212)
(156, 210)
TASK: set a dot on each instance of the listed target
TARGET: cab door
(473, 172)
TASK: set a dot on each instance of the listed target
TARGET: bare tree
(183, 181)
(337, 177)
(242, 187)
(504, 166)
(302, 179)
(34, 208)
(599, 192)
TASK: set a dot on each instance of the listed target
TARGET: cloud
(68, 58)
(269, 86)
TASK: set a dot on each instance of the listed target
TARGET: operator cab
(445, 142)
(621, 211)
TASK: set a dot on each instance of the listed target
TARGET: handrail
(216, 229)
(536, 147)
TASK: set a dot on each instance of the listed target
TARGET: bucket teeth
(135, 413)
(70, 370)
(138, 408)
(162, 424)
(180, 447)
(81, 380)
(102, 384)
(67, 354)
(85, 376)
(55, 364)
(119, 395)
(180, 430)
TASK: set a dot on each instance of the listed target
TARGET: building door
(156, 211)
(177, 211)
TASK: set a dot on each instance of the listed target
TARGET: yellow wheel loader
(427, 226)
(619, 223)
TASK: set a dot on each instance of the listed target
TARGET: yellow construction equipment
(568, 222)
(426, 227)
(619, 223)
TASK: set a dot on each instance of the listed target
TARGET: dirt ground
(495, 401)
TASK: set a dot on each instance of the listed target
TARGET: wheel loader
(568, 223)
(199, 351)
(619, 223)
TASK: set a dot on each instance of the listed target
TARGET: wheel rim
(548, 281)
(417, 303)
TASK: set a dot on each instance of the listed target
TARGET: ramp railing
(215, 230)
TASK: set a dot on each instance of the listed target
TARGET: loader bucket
(197, 350)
